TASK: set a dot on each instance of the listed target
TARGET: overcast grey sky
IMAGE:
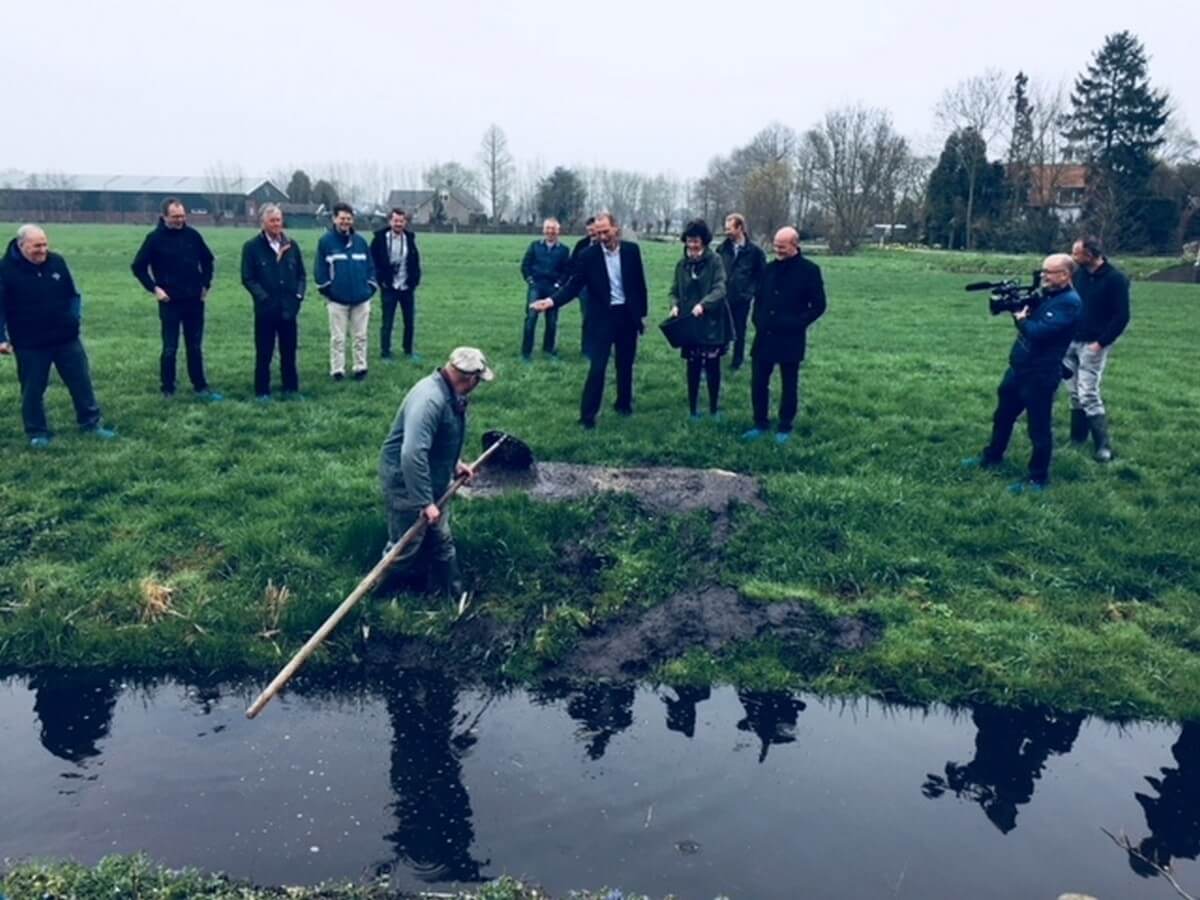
(161, 87)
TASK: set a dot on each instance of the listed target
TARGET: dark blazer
(277, 284)
(790, 297)
(591, 273)
(383, 262)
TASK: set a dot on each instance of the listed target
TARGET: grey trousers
(1087, 367)
(436, 545)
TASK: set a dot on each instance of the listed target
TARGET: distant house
(59, 197)
(304, 215)
(446, 206)
(1060, 188)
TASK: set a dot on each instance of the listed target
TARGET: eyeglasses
(1052, 271)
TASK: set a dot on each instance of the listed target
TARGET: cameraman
(1044, 330)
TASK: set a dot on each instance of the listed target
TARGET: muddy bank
(1184, 273)
(636, 643)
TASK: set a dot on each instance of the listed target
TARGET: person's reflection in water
(604, 711)
(75, 712)
(1011, 749)
(681, 709)
(771, 715)
(434, 831)
(1173, 817)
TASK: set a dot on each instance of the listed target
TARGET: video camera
(1009, 296)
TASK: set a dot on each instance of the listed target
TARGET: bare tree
(857, 156)
(223, 182)
(525, 190)
(767, 195)
(977, 103)
(496, 163)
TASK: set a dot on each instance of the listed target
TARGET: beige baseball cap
(471, 361)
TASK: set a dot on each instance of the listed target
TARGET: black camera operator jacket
(1045, 334)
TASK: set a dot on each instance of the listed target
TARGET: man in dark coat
(790, 297)
(744, 264)
(273, 273)
(41, 309)
(1104, 291)
(176, 266)
(398, 271)
(1035, 365)
(588, 240)
(612, 273)
(544, 267)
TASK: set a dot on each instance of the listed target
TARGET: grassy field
(1086, 597)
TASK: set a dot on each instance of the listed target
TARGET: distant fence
(49, 216)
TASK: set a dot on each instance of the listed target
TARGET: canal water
(700, 793)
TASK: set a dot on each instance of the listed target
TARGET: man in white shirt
(398, 270)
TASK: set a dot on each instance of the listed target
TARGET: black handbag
(681, 331)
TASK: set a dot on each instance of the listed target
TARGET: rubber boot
(1079, 426)
(446, 579)
(1099, 427)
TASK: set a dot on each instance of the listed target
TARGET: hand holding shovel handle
(364, 586)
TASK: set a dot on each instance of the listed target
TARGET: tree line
(1022, 165)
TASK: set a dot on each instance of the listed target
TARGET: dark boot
(1079, 426)
(1099, 427)
(446, 579)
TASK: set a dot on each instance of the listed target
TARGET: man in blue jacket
(1035, 365)
(40, 307)
(176, 266)
(345, 277)
(545, 266)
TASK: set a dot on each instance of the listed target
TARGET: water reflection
(434, 829)
(75, 711)
(772, 716)
(1173, 817)
(1011, 750)
(681, 709)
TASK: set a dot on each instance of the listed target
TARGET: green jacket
(703, 281)
(424, 445)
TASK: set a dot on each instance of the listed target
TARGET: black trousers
(391, 299)
(188, 316)
(269, 329)
(620, 340)
(1034, 396)
(34, 373)
(760, 392)
(741, 314)
(549, 334)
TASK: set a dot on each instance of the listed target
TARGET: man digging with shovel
(420, 457)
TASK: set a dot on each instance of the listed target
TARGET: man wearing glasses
(1044, 332)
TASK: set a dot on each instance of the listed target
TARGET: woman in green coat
(699, 290)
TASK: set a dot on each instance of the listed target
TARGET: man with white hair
(273, 273)
(545, 266)
(1035, 363)
(420, 457)
(41, 309)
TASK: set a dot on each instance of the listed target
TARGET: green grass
(1086, 597)
(138, 878)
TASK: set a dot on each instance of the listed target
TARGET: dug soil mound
(1184, 273)
(711, 618)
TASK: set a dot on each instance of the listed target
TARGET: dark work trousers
(1034, 396)
(391, 299)
(187, 315)
(620, 339)
(760, 393)
(549, 334)
(583, 322)
(741, 313)
(711, 367)
(72, 364)
(269, 328)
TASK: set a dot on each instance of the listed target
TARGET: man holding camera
(1044, 331)
(1104, 291)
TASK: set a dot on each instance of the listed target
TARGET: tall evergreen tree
(951, 191)
(561, 194)
(1117, 119)
(1020, 151)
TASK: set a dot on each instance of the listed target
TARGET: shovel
(504, 450)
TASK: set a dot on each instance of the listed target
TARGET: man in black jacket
(612, 273)
(790, 297)
(1104, 291)
(744, 264)
(398, 271)
(176, 266)
(588, 240)
(273, 273)
(41, 309)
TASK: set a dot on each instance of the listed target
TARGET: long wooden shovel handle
(417, 528)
